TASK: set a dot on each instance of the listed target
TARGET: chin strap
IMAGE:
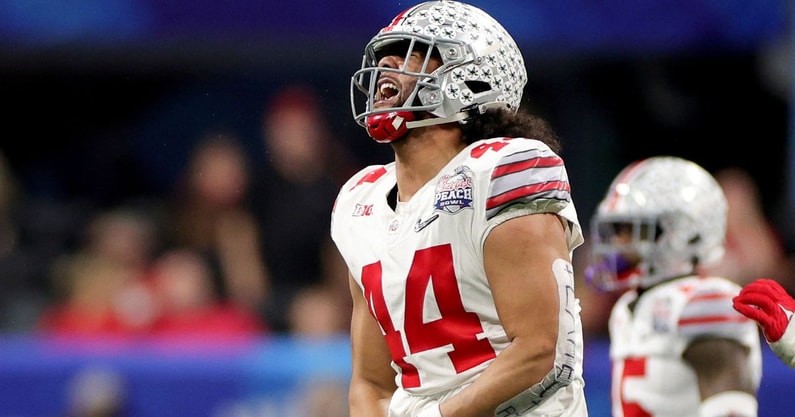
(458, 117)
(388, 127)
(391, 126)
(462, 117)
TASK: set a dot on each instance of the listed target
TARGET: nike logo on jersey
(421, 224)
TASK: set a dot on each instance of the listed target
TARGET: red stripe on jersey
(540, 162)
(371, 176)
(713, 319)
(526, 191)
(710, 296)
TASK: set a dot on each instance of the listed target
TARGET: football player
(678, 347)
(460, 249)
(769, 304)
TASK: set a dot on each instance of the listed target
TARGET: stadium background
(101, 97)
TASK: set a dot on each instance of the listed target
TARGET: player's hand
(766, 302)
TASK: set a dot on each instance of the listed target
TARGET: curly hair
(504, 123)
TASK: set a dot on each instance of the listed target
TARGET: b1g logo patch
(454, 192)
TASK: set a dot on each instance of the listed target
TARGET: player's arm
(372, 379)
(768, 303)
(724, 382)
(518, 257)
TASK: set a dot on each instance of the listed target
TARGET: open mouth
(387, 94)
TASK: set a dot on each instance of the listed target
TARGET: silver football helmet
(481, 67)
(661, 218)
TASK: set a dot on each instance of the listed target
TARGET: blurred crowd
(233, 249)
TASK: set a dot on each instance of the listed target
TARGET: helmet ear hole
(658, 232)
(478, 86)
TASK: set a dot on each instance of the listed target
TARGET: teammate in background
(769, 304)
(677, 345)
(459, 250)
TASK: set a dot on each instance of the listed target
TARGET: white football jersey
(650, 377)
(421, 266)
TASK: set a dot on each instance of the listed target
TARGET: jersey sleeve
(529, 178)
(708, 312)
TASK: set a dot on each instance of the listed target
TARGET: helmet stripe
(623, 177)
(399, 18)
